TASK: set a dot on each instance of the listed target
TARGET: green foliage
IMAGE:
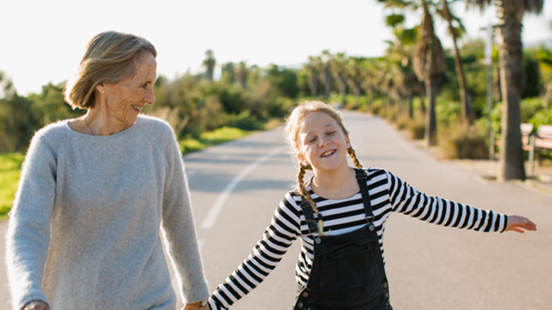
(394, 20)
(49, 106)
(244, 121)
(464, 143)
(542, 117)
(284, 80)
(447, 111)
(206, 139)
(532, 81)
(10, 166)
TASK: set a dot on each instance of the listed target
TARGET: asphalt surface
(236, 186)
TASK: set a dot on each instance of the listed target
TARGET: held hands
(37, 305)
(194, 307)
(520, 224)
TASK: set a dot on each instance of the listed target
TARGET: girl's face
(322, 142)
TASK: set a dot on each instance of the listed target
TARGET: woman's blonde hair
(109, 58)
(299, 113)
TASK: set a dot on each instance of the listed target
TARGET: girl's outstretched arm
(520, 224)
(276, 240)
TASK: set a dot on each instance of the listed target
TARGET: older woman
(84, 232)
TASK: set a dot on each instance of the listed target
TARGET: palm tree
(356, 71)
(444, 12)
(401, 52)
(209, 64)
(312, 69)
(510, 14)
(429, 65)
(228, 73)
(338, 68)
(465, 101)
(241, 73)
(325, 72)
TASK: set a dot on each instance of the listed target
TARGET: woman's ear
(100, 87)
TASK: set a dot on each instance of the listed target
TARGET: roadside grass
(207, 139)
(10, 163)
(10, 166)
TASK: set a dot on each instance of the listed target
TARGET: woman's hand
(520, 224)
(37, 305)
(194, 307)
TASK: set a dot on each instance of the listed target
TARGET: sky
(43, 41)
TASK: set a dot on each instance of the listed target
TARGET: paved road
(236, 186)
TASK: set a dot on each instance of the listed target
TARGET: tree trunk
(468, 116)
(342, 88)
(327, 80)
(411, 106)
(313, 85)
(431, 122)
(511, 163)
(546, 98)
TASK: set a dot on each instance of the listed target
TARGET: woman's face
(323, 144)
(125, 99)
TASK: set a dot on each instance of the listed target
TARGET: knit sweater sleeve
(28, 236)
(178, 225)
(407, 200)
(267, 253)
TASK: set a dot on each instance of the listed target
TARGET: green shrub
(244, 121)
(459, 141)
(190, 145)
(416, 127)
(10, 166)
(543, 117)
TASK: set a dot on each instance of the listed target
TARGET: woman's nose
(150, 97)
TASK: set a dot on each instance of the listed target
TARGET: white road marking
(217, 207)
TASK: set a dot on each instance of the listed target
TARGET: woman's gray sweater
(84, 231)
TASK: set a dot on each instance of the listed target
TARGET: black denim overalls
(347, 272)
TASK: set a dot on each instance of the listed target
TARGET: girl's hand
(520, 224)
(36, 305)
(194, 307)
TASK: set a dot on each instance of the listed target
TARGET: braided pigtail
(353, 156)
(306, 195)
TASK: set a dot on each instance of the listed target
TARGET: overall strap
(362, 178)
(309, 216)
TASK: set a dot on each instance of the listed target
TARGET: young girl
(340, 216)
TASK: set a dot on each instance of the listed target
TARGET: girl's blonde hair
(109, 58)
(299, 113)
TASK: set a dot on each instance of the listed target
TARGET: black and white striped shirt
(388, 194)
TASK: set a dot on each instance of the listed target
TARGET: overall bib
(347, 272)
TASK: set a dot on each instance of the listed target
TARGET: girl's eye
(331, 133)
(311, 140)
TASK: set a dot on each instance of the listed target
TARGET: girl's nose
(324, 141)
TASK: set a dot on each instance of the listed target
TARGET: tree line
(415, 76)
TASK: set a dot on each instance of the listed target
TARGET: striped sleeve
(407, 200)
(277, 238)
